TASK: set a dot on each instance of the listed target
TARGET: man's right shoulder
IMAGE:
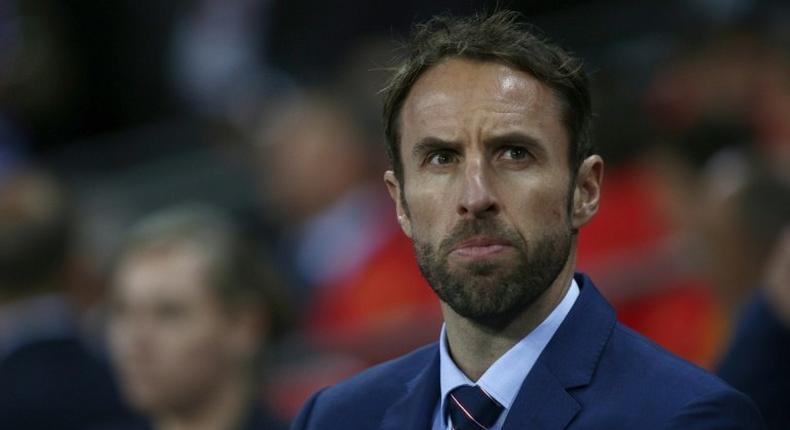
(367, 395)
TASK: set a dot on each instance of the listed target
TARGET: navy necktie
(471, 408)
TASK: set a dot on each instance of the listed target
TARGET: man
(50, 377)
(189, 315)
(492, 176)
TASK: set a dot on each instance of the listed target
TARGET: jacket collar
(569, 361)
(415, 408)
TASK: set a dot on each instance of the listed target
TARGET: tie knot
(471, 408)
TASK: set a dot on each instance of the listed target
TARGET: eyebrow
(517, 138)
(429, 144)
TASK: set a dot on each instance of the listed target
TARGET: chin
(143, 398)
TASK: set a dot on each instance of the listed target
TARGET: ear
(587, 192)
(393, 186)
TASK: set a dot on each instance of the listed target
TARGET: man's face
(168, 332)
(486, 186)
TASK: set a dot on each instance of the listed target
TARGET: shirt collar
(504, 378)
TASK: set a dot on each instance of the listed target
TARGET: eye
(169, 311)
(440, 158)
(118, 310)
(514, 153)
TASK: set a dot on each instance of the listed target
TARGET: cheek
(537, 206)
(429, 210)
(118, 338)
(201, 341)
(193, 361)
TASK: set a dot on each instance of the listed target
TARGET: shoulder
(39, 386)
(645, 361)
(54, 361)
(367, 394)
(623, 380)
(262, 419)
(663, 388)
(388, 378)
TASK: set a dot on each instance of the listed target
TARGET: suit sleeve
(302, 421)
(722, 410)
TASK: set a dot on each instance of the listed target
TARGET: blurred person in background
(363, 298)
(758, 360)
(49, 376)
(721, 89)
(745, 221)
(742, 210)
(634, 248)
(715, 109)
(360, 274)
(192, 312)
(721, 107)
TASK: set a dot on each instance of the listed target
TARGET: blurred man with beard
(190, 314)
(493, 175)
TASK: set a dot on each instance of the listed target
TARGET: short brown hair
(237, 275)
(496, 37)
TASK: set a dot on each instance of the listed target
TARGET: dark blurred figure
(363, 297)
(191, 313)
(216, 63)
(634, 245)
(321, 171)
(750, 244)
(50, 379)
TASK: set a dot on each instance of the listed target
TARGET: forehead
(174, 273)
(459, 94)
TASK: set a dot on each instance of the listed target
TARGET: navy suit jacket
(593, 374)
(57, 384)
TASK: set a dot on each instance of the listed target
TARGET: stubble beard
(490, 292)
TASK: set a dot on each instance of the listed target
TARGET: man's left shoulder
(633, 353)
(666, 388)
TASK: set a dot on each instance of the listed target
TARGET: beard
(489, 292)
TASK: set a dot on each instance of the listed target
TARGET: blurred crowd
(194, 232)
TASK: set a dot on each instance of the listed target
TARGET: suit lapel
(569, 361)
(543, 403)
(415, 408)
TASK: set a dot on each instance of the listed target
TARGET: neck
(223, 409)
(475, 346)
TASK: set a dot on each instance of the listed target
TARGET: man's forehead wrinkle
(506, 91)
(451, 117)
(460, 100)
(422, 115)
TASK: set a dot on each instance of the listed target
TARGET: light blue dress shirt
(504, 378)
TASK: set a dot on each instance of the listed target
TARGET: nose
(132, 333)
(477, 197)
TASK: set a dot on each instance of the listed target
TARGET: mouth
(480, 247)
